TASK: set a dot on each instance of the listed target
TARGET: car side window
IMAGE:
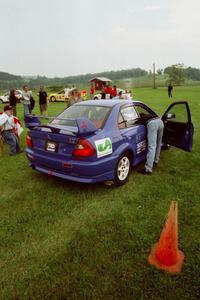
(121, 122)
(143, 113)
(127, 117)
(177, 113)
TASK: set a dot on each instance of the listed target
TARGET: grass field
(64, 240)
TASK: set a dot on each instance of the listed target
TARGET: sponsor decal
(104, 147)
(141, 146)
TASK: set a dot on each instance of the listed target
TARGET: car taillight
(84, 149)
(29, 141)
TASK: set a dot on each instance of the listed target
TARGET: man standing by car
(155, 129)
(43, 101)
(7, 125)
(26, 97)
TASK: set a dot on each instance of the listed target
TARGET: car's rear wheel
(123, 168)
(53, 99)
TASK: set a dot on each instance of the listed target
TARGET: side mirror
(170, 116)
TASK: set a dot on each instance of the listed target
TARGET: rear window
(96, 114)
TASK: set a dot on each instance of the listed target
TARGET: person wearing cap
(7, 126)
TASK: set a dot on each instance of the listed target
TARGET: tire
(53, 99)
(122, 170)
(165, 146)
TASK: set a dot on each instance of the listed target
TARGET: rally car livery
(96, 141)
(59, 96)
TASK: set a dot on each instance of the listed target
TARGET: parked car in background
(96, 141)
(5, 97)
(59, 96)
(64, 95)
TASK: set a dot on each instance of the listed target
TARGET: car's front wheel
(53, 99)
(123, 168)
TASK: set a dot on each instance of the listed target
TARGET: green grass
(64, 240)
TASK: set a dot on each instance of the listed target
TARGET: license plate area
(51, 146)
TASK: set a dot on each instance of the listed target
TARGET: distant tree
(167, 70)
(176, 73)
(160, 71)
(192, 73)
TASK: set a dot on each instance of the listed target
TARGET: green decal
(104, 147)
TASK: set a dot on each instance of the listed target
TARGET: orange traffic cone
(165, 254)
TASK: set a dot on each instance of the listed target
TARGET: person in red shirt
(92, 92)
(114, 91)
(108, 91)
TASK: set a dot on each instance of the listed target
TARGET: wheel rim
(123, 168)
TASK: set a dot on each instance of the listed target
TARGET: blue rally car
(100, 140)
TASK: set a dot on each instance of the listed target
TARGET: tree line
(176, 73)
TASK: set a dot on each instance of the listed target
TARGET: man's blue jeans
(155, 129)
(27, 109)
(12, 141)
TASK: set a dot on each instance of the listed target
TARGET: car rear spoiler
(84, 125)
(32, 121)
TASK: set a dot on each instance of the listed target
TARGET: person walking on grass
(170, 89)
(43, 101)
(7, 126)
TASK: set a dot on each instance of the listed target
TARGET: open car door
(178, 128)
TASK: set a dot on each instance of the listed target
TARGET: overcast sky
(71, 37)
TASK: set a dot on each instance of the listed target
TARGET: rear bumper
(103, 177)
(81, 171)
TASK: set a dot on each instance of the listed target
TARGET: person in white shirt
(66, 92)
(7, 126)
(26, 97)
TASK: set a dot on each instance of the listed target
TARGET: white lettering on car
(141, 146)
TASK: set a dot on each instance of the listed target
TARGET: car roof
(107, 103)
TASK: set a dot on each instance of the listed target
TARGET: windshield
(96, 114)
